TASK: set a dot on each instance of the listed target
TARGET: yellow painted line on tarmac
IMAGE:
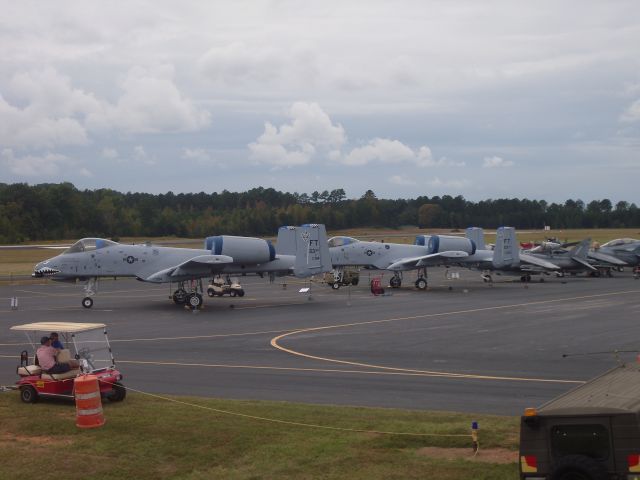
(276, 345)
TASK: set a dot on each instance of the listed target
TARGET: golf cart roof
(67, 327)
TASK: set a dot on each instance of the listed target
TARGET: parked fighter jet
(92, 258)
(505, 257)
(600, 259)
(428, 251)
(569, 261)
(624, 249)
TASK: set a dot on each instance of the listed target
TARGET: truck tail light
(634, 462)
(529, 463)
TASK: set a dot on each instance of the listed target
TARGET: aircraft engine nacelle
(445, 243)
(422, 240)
(246, 250)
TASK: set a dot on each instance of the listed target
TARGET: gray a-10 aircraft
(92, 258)
(433, 250)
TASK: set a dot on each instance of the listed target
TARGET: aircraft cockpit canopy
(341, 241)
(89, 244)
(619, 242)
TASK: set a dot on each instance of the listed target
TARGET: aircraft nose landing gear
(89, 290)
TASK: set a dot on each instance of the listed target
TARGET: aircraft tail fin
(582, 249)
(286, 242)
(506, 252)
(476, 235)
(312, 250)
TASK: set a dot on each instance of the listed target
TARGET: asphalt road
(472, 348)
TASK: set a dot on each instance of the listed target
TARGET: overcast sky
(481, 99)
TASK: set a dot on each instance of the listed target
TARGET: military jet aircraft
(600, 259)
(624, 249)
(92, 258)
(427, 251)
(570, 261)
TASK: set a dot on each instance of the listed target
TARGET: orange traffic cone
(88, 403)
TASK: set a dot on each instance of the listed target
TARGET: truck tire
(579, 467)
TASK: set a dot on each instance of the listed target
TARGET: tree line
(61, 211)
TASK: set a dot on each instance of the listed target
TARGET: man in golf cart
(48, 358)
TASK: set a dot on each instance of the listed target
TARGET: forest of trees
(61, 211)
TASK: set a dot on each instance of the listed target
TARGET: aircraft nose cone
(42, 271)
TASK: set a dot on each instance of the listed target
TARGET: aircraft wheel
(28, 394)
(523, 278)
(421, 284)
(179, 297)
(395, 282)
(354, 282)
(335, 285)
(211, 292)
(194, 300)
(87, 302)
(527, 278)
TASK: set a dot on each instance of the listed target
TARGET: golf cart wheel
(119, 392)
(335, 285)
(241, 293)
(579, 467)
(354, 282)
(232, 293)
(28, 394)
(211, 292)
(87, 302)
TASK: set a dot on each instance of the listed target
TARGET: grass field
(149, 438)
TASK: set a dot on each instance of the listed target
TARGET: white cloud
(401, 180)
(140, 155)
(632, 113)
(109, 153)
(295, 143)
(240, 63)
(457, 184)
(199, 156)
(496, 162)
(311, 133)
(46, 165)
(47, 111)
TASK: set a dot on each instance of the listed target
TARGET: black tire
(579, 467)
(354, 282)
(335, 285)
(179, 297)
(119, 392)
(194, 300)
(395, 282)
(241, 293)
(233, 293)
(87, 302)
(211, 292)
(421, 284)
(28, 394)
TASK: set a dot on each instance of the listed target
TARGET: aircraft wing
(584, 263)
(610, 259)
(196, 267)
(537, 262)
(423, 260)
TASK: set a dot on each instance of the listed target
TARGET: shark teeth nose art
(45, 272)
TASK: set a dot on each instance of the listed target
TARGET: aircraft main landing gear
(421, 282)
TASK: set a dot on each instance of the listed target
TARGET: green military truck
(589, 433)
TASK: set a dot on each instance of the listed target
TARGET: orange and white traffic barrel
(88, 402)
